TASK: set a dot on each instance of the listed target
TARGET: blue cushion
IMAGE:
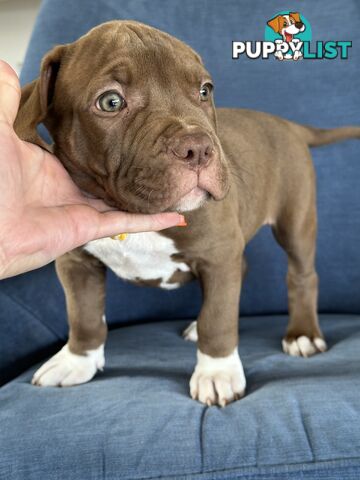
(299, 419)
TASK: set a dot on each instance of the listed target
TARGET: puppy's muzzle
(299, 25)
(196, 149)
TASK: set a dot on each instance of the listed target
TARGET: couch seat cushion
(299, 419)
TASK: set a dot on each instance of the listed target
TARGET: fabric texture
(299, 419)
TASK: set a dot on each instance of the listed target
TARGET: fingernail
(182, 222)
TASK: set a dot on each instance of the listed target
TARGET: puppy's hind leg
(296, 233)
(190, 332)
(83, 279)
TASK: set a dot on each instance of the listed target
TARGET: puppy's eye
(110, 102)
(205, 92)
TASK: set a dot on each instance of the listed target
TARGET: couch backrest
(320, 92)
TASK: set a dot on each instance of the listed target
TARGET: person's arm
(42, 212)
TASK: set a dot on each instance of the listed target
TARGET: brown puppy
(132, 116)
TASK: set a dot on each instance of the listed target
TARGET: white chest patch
(144, 256)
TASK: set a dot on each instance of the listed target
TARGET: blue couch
(300, 418)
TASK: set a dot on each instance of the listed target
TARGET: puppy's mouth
(180, 190)
(175, 186)
(193, 199)
(288, 37)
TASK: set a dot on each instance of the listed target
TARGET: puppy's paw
(190, 333)
(303, 346)
(66, 368)
(218, 381)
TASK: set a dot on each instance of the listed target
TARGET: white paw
(218, 380)
(303, 346)
(66, 369)
(190, 333)
(279, 55)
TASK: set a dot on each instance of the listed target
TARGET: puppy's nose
(196, 148)
(299, 25)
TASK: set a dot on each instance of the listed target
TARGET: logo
(288, 37)
(288, 32)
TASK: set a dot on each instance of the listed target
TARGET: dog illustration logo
(288, 37)
(288, 26)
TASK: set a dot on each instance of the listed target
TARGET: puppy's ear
(295, 16)
(36, 98)
(276, 23)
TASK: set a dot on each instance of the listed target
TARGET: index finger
(113, 223)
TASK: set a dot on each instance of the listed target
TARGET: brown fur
(259, 166)
(83, 278)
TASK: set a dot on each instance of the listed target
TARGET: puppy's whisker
(148, 202)
(238, 176)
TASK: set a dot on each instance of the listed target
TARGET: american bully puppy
(135, 125)
(288, 26)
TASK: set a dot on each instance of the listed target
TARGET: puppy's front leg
(83, 279)
(219, 376)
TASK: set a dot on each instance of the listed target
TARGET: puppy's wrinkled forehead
(131, 52)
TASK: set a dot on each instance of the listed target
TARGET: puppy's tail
(316, 137)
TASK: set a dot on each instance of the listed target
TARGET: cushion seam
(307, 436)
(201, 441)
(30, 312)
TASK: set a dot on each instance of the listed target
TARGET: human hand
(43, 214)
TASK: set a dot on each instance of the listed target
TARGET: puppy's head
(131, 113)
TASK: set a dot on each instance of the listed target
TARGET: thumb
(10, 93)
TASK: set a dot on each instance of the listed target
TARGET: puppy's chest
(142, 258)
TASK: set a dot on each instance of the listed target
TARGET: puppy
(288, 26)
(136, 126)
